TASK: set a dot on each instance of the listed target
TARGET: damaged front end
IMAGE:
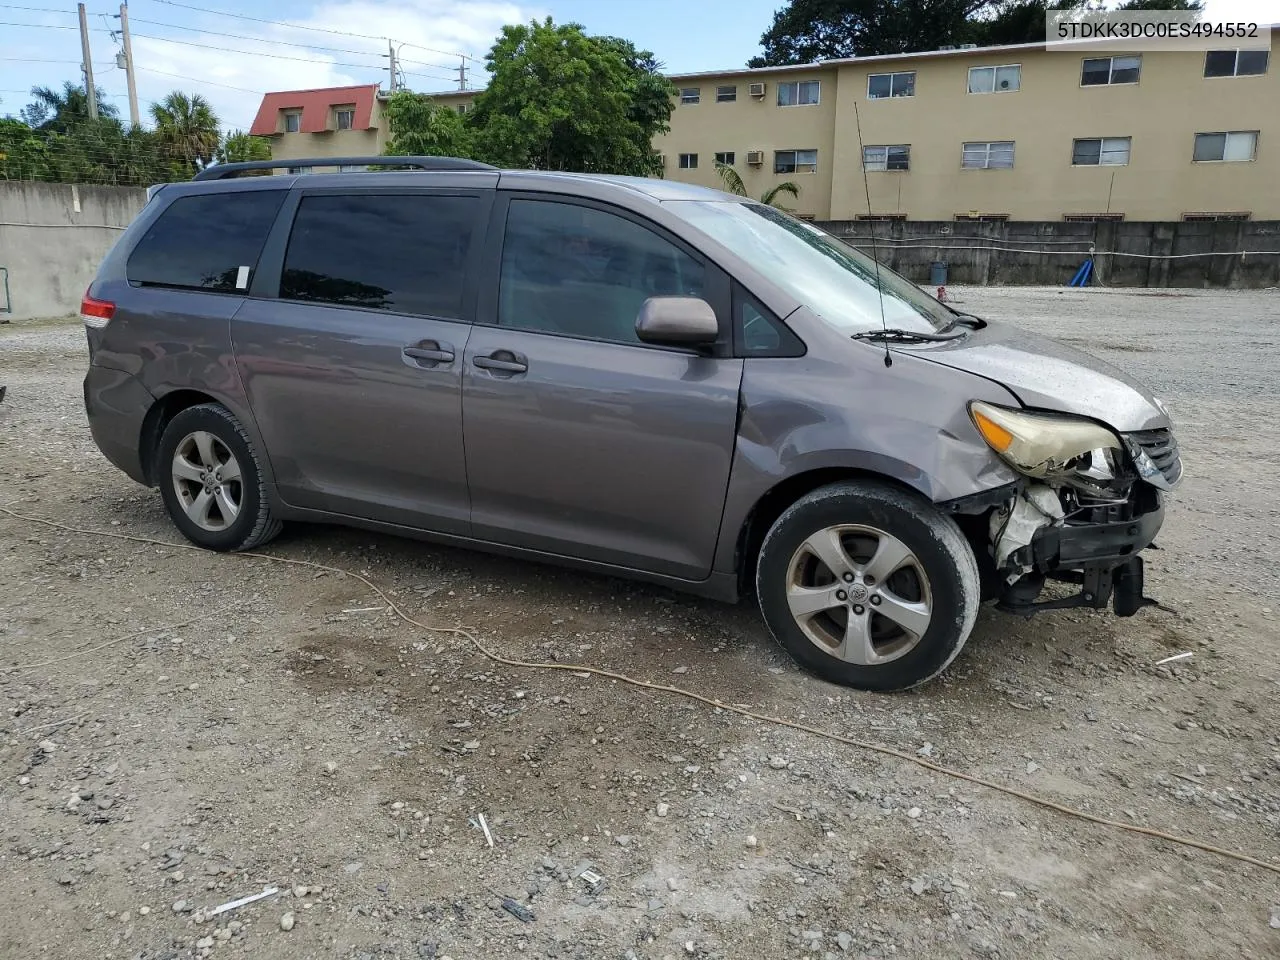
(1088, 502)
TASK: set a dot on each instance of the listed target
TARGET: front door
(580, 440)
(354, 371)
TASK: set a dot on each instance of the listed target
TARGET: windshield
(832, 278)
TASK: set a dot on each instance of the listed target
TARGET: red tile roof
(315, 106)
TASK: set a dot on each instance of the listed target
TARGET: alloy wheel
(207, 480)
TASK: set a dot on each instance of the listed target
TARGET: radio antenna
(871, 223)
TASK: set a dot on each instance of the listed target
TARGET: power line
(11, 6)
(255, 53)
(212, 83)
(298, 26)
(241, 36)
(42, 26)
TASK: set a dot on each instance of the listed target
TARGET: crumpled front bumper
(1034, 542)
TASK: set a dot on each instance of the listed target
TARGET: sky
(228, 55)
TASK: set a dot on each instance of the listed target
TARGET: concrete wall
(1021, 252)
(52, 238)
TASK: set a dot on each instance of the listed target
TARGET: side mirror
(680, 321)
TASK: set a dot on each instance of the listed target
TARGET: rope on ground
(866, 745)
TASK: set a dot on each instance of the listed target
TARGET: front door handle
(428, 353)
(502, 362)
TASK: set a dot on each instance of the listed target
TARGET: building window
(690, 95)
(1214, 217)
(982, 217)
(881, 217)
(882, 85)
(1100, 151)
(1235, 63)
(799, 93)
(726, 157)
(795, 161)
(463, 107)
(1092, 217)
(1108, 70)
(726, 94)
(1005, 79)
(292, 121)
(345, 117)
(1234, 145)
(896, 157)
(688, 161)
(987, 155)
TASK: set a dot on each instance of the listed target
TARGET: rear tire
(211, 480)
(868, 586)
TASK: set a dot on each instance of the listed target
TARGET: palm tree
(187, 128)
(733, 184)
(56, 111)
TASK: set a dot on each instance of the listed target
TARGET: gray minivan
(630, 376)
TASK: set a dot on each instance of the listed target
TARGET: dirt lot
(181, 728)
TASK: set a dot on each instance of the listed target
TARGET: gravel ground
(181, 729)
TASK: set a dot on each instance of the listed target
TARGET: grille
(1162, 448)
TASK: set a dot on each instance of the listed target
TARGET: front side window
(882, 85)
(831, 277)
(1005, 79)
(799, 93)
(987, 155)
(206, 242)
(795, 161)
(1100, 151)
(726, 94)
(690, 95)
(688, 161)
(292, 121)
(1100, 71)
(583, 272)
(1233, 145)
(405, 253)
(726, 157)
(897, 157)
(345, 117)
(1235, 63)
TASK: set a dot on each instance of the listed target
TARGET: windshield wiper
(899, 335)
(966, 320)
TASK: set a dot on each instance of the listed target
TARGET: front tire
(211, 481)
(868, 586)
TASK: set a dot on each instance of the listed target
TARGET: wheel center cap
(857, 593)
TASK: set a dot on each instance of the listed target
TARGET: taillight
(96, 313)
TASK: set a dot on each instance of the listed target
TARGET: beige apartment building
(1015, 132)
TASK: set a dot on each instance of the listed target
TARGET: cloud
(262, 64)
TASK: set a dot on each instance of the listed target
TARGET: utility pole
(128, 66)
(462, 73)
(391, 49)
(87, 64)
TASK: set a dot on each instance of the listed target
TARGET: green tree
(420, 127)
(58, 110)
(558, 99)
(187, 129)
(240, 147)
(808, 30)
(733, 184)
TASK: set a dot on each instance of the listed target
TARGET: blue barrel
(938, 273)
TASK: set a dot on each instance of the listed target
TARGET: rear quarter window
(202, 242)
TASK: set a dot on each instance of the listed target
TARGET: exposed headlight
(1048, 446)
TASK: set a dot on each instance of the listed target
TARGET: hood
(1048, 375)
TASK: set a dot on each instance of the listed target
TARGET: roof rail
(226, 171)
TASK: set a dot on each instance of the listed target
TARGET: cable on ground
(866, 745)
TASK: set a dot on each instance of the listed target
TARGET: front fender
(840, 408)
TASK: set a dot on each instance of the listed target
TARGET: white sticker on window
(242, 278)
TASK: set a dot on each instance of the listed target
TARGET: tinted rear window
(202, 241)
(405, 253)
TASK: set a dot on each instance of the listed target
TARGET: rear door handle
(428, 353)
(502, 362)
